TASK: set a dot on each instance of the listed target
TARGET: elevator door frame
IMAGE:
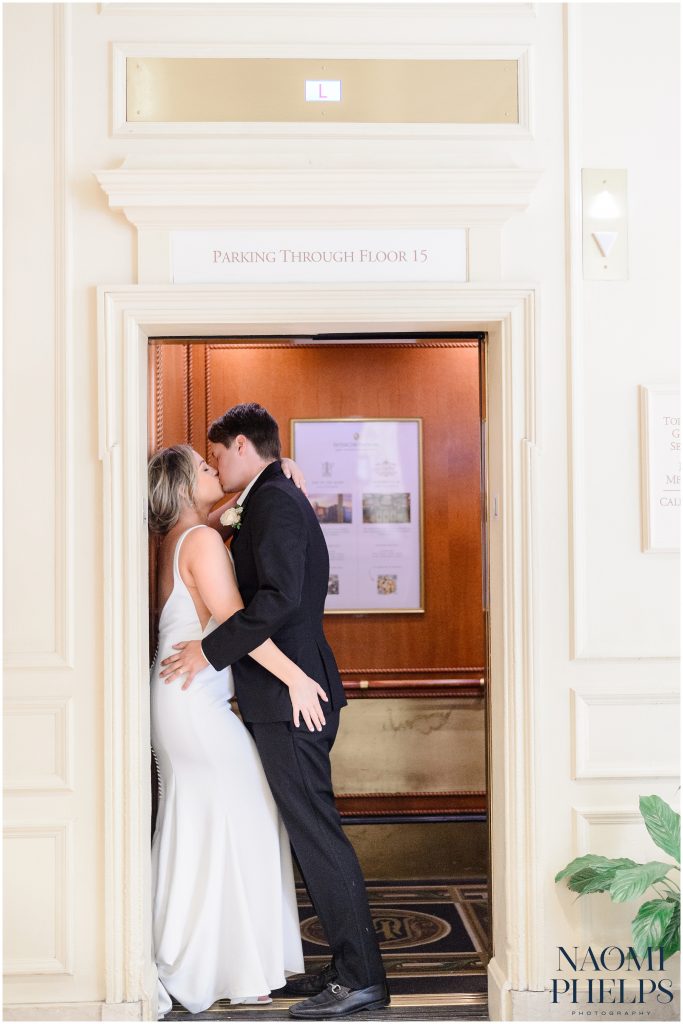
(129, 317)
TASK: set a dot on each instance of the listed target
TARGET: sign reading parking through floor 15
(325, 256)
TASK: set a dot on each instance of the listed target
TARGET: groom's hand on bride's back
(188, 661)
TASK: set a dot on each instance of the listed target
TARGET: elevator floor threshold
(462, 1007)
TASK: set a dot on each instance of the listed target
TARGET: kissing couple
(232, 796)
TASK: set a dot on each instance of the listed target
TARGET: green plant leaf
(630, 882)
(591, 880)
(650, 924)
(663, 824)
(592, 860)
(671, 942)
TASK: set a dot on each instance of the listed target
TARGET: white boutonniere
(232, 517)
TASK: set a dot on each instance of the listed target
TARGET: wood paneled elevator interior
(410, 761)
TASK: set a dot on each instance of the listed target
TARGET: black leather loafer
(336, 1000)
(308, 984)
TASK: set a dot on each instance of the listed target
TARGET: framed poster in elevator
(364, 479)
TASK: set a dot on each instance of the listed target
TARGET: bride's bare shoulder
(203, 542)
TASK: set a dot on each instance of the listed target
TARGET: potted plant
(658, 921)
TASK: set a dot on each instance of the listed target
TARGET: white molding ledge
(313, 8)
(175, 195)
(178, 197)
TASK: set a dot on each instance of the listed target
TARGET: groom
(282, 567)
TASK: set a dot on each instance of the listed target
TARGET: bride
(225, 920)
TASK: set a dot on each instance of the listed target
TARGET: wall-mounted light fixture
(605, 238)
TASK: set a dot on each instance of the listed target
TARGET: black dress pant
(297, 766)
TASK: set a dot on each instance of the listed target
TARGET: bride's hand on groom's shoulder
(188, 661)
(293, 472)
(305, 695)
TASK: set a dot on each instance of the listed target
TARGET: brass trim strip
(205, 90)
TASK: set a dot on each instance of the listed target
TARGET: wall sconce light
(605, 239)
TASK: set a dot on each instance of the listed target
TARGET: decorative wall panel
(37, 898)
(611, 832)
(39, 620)
(625, 735)
(37, 743)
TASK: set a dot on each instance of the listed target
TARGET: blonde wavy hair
(172, 480)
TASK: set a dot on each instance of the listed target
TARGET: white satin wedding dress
(225, 921)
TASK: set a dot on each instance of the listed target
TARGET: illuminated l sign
(323, 91)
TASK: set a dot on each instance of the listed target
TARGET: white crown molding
(179, 197)
(327, 8)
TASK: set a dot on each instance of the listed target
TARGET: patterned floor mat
(433, 934)
(434, 940)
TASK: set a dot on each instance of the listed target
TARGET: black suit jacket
(282, 567)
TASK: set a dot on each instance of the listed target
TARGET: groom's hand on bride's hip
(188, 661)
(305, 694)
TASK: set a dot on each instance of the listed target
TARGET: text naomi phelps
(591, 990)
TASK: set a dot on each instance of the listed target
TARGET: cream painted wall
(612, 710)
(54, 943)
(624, 121)
(607, 618)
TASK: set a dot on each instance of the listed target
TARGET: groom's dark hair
(252, 420)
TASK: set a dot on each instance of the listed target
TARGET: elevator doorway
(410, 763)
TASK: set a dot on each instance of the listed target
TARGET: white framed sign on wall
(660, 420)
(305, 254)
(365, 484)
